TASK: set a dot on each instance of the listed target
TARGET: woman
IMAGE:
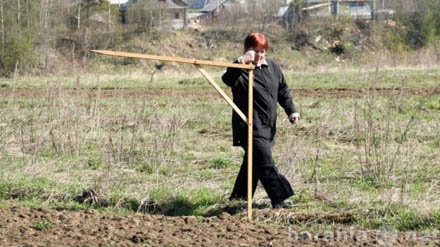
(270, 88)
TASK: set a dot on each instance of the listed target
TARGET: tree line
(33, 30)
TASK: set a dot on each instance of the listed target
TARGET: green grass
(374, 156)
(400, 217)
(355, 78)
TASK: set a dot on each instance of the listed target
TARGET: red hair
(257, 41)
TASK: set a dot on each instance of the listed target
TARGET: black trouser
(276, 185)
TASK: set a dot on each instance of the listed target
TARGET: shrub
(420, 29)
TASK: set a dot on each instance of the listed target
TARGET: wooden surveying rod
(198, 64)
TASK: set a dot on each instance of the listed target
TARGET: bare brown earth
(26, 226)
(22, 226)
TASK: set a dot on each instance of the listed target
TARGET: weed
(221, 163)
(44, 225)
(434, 104)
(303, 196)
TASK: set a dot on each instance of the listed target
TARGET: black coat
(270, 88)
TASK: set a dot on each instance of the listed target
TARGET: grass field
(366, 152)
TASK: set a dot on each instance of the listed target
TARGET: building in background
(291, 13)
(174, 12)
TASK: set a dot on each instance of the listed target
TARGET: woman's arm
(230, 77)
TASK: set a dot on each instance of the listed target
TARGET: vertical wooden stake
(250, 141)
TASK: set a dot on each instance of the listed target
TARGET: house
(361, 9)
(174, 12)
(177, 12)
(356, 9)
(207, 10)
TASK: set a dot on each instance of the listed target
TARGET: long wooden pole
(174, 59)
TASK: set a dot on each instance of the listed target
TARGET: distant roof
(175, 4)
(171, 4)
(118, 1)
(316, 6)
(316, 1)
(196, 4)
(283, 10)
(212, 5)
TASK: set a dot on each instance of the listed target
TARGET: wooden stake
(250, 141)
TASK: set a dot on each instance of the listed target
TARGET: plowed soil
(25, 226)
(303, 92)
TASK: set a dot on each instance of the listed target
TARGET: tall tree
(16, 53)
(2, 27)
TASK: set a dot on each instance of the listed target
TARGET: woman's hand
(247, 57)
(294, 117)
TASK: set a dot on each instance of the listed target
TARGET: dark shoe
(283, 204)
